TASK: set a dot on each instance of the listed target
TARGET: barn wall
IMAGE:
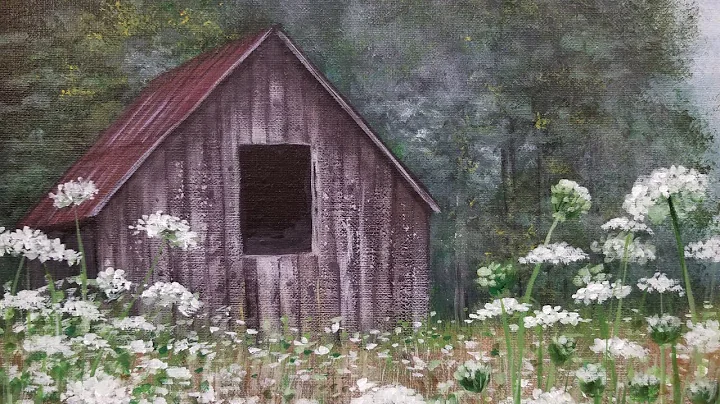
(370, 235)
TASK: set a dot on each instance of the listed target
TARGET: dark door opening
(275, 199)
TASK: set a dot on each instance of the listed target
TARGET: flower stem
(53, 298)
(681, 255)
(662, 373)
(83, 263)
(540, 358)
(676, 376)
(616, 326)
(509, 349)
(148, 276)
(17, 276)
(536, 270)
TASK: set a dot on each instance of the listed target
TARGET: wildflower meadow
(109, 340)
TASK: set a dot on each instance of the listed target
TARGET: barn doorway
(275, 199)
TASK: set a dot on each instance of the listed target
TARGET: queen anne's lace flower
(73, 193)
(702, 391)
(48, 344)
(80, 308)
(550, 315)
(644, 388)
(650, 193)
(31, 300)
(494, 308)
(554, 396)
(166, 294)
(137, 323)
(660, 283)
(554, 254)
(708, 250)
(112, 282)
(98, 389)
(569, 200)
(590, 274)
(613, 248)
(393, 394)
(664, 329)
(618, 347)
(599, 292)
(92, 341)
(34, 244)
(173, 229)
(623, 224)
(592, 379)
(473, 376)
(705, 337)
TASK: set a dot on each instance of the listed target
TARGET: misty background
(489, 102)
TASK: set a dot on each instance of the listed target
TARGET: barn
(301, 209)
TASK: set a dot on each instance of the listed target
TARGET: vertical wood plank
(402, 264)
(260, 96)
(368, 237)
(289, 293)
(309, 288)
(252, 303)
(277, 119)
(295, 83)
(420, 253)
(268, 284)
(348, 246)
(153, 188)
(234, 120)
(177, 202)
(383, 290)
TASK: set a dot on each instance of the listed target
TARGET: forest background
(489, 102)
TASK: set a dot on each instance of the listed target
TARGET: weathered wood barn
(302, 211)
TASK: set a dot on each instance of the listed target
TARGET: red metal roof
(161, 107)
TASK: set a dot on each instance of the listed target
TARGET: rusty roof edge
(100, 205)
(415, 184)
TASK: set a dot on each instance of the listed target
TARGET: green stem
(540, 359)
(681, 255)
(662, 374)
(597, 399)
(509, 349)
(536, 270)
(17, 276)
(53, 298)
(83, 263)
(677, 389)
(616, 326)
(147, 278)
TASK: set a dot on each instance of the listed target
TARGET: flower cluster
(569, 200)
(708, 250)
(100, 388)
(393, 394)
(73, 193)
(166, 227)
(664, 329)
(554, 396)
(619, 348)
(166, 294)
(561, 349)
(34, 244)
(112, 282)
(644, 388)
(599, 292)
(613, 248)
(705, 337)
(495, 308)
(550, 315)
(660, 283)
(590, 274)
(496, 277)
(650, 193)
(702, 391)
(554, 254)
(623, 224)
(473, 376)
(592, 379)
(30, 300)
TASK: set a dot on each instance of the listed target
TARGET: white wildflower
(166, 294)
(178, 372)
(708, 250)
(136, 323)
(34, 244)
(390, 395)
(173, 229)
(555, 254)
(139, 346)
(649, 194)
(83, 309)
(618, 347)
(48, 344)
(590, 274)
(98, 389)
(554, 396)
(599, 292)
(73, 193)
(705, 337)
(364, 385)
(113, 282)
(495, 308)
(613, 248)
(660, 283)
(152, 366)
(550, 315)
(30, 300)
(623, 224)
(322, 350)
(92, 341)
(569, 200)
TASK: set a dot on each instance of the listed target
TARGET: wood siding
(370, 228)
